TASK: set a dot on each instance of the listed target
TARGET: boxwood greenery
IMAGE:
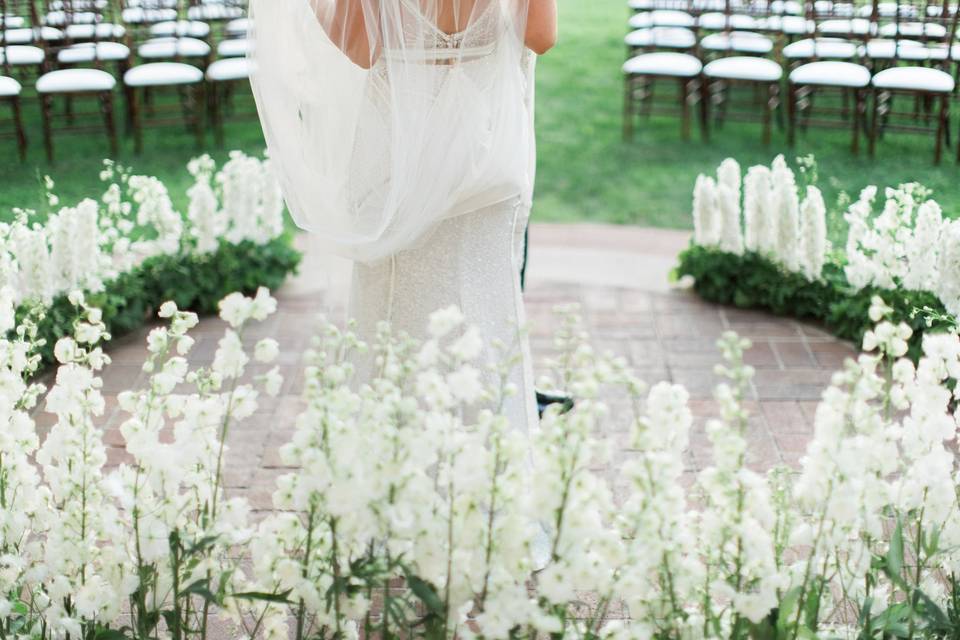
(753, 281)
(195, 282)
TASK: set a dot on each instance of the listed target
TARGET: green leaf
(426, 593)
(894, 557)
(263, 596)
(110, 634)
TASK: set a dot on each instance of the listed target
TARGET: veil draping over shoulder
(383, 117)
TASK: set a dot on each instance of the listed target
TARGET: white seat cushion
(140, 15)
(59, 18)
(744, 68)
(20, 54)
(75, 80)
(831, 73)
(888, 49)
(914, 30)
(14, 22)
(238, 27)
(161, 74)
(669, 18)
(789, 7)
(28, 35)
(174, 48)
(715, 21)
(666, 37)
(829, 48)
(233, 48)
(88, 52)
(230, 69)
(189, 28)
(914, 78)
(214, 12)
(793, 25)
(739, 41)
(102, 31)
(662, 63)
(847, 27)
(9, 87)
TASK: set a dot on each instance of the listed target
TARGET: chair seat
(14, 22)
(739, 41)
(792, 25)
(58, 18)
(75, 81)
(831, 73)
(824, 48)
(88, 52)
(230, 69)
(786, 7)
(663, 63)
(238, 27)
(214, 12)
(666, 37)
(889, 49)
(233, 48)
(174, 48)
(188, 28)
(27, 35)
(847, 27)
(744, 68)
(140, 15)
(102, 31)
(914, 79)
(18, 55)
(161, 74)
(717, 21)
(914, 30)
(9, 87)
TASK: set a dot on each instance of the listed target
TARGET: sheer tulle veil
(383, 117)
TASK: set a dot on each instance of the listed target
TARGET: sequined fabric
(471, 261)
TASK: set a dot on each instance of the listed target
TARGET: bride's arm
(541, 32)
(347, 28)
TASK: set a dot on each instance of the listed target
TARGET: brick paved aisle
(619, 275)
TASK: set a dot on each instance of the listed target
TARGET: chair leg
(106, 108)
(20, 132)
(941, 128)
(791, 114)
(684, 109)
(874, 123)
(705, 108)
(627, 108)
(46, 107)
(771, 104)
(135, 121)
(859, 109)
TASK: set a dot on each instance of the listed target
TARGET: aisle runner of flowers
(407, 518)
(131, 249)
(762, 242)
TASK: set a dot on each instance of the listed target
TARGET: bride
(402, 133)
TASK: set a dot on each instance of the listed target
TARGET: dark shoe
(545, 399)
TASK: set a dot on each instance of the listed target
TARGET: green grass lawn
(586, 172)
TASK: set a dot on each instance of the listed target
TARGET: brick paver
(619, 276)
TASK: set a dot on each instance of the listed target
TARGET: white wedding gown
(472, 261)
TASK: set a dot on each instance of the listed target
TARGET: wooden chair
(826, 66)
(10, 88)
(930, 86)
(75, 80)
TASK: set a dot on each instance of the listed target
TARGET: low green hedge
(196, 282)
(752, 281)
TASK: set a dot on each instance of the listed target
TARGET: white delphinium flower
(760, 221)
(75, 247)
(735, 528)
(813, 234)
(786, 204)
(922, 247)
(661, 573)
(728, 199)
(948, 267)
(859, 269)
(35, 277)
(251, 199)
(706, 212)
(155, 211)
(207, 222)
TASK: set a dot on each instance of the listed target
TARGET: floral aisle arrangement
(131, 247)
(769, 249)
(413, 509)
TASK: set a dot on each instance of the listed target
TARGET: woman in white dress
(402, 133)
